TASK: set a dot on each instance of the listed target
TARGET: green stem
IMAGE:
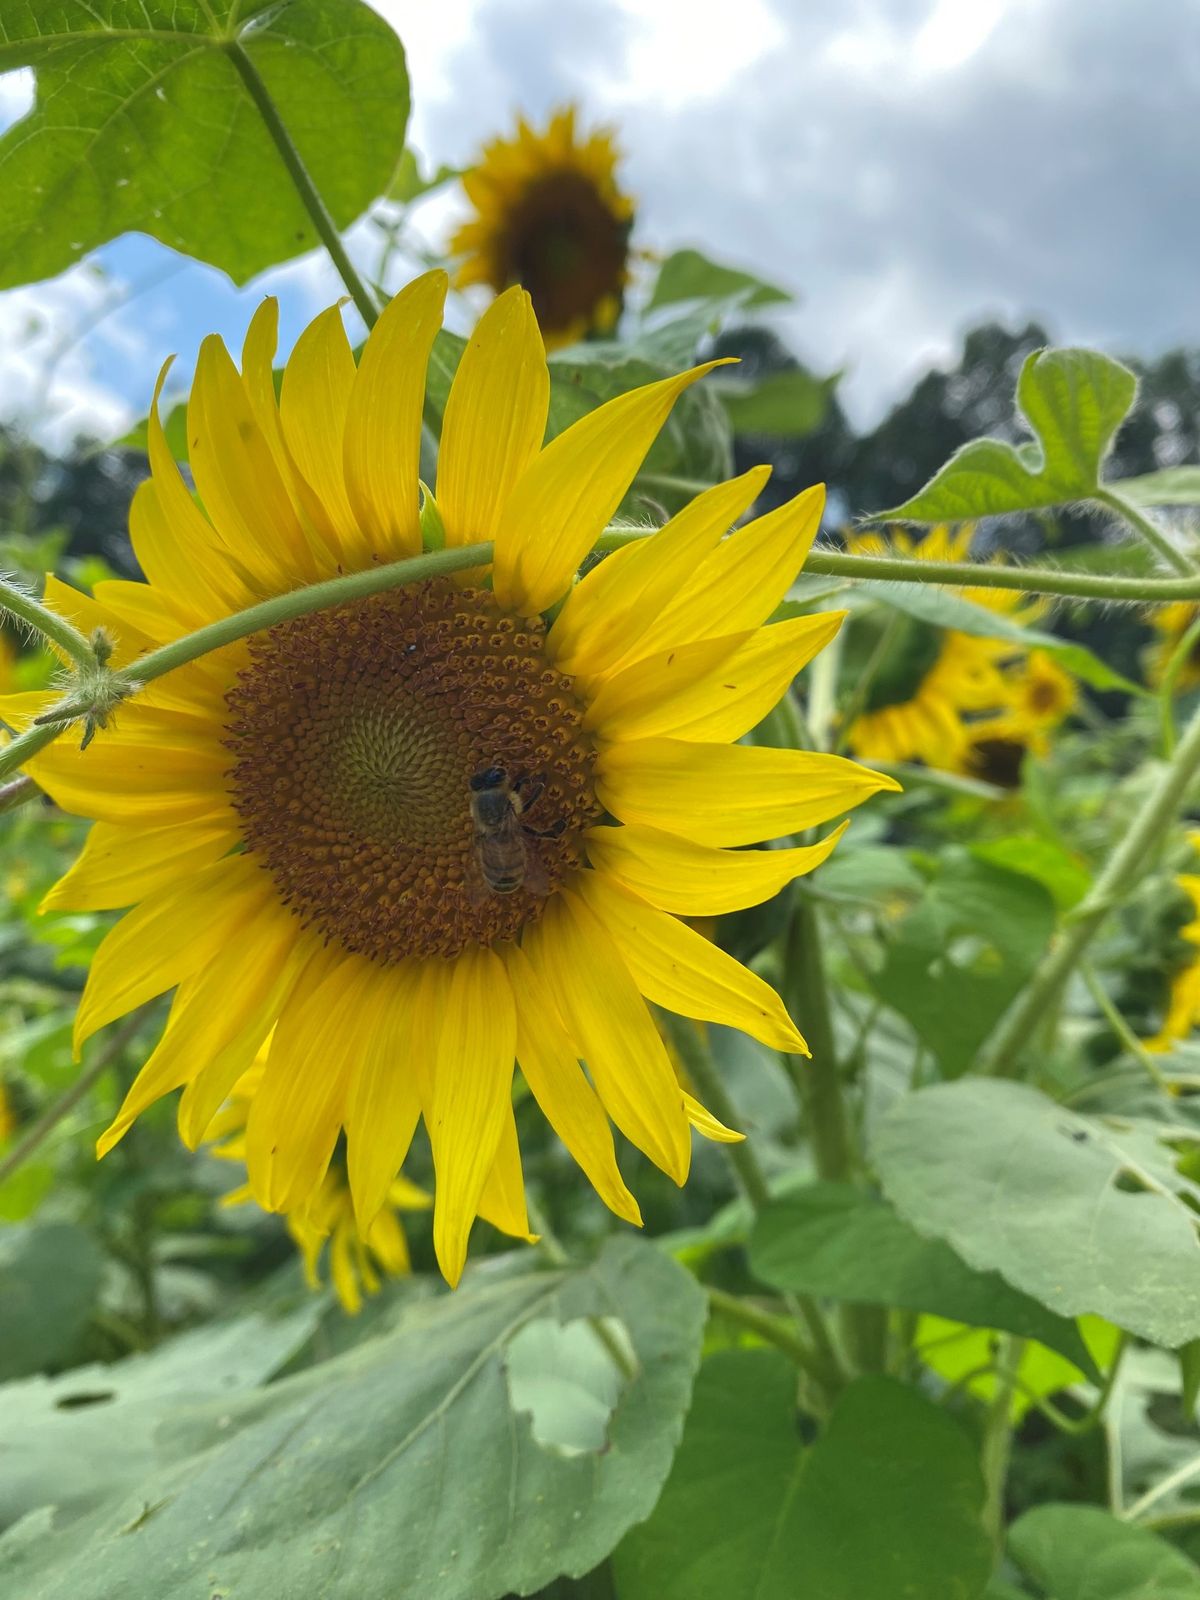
(280, 608)
(307, 190)
(1166, 693)
(1028, 580)
(774, 1330)
(1120, 873)
(997, 1437)
(23, 606)
(17, 793)
(1125, 1034)
(1153, 536)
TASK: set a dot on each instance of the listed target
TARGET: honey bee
(497, 809)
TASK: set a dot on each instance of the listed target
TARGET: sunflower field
(578, 1018)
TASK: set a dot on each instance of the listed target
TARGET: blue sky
(908, 166)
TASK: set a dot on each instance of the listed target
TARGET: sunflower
(549, 215)
(1041, 695)
(355, 1259)
(296, 818)
(1183, 1006)
(1171, 622)
(931, 681)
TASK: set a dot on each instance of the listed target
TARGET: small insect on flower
(498, 810)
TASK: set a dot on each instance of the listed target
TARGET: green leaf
(409, 184)
(688, 275)
(887, 1503)
(784, 404)
(398, 1470)
(1073, 401)
(958, 959)
(1172, 486)
(1079, 1552)
(50, 1275)
(143, 123)
(838, 1242)
(1081, 1213)
(1189, 1372)
(943, 608)
(1044, 860)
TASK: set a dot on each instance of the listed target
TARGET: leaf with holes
(143, 122)
(887, 1503)
(406, 1468)
(958, 959)
(1083, 1213)
(1073, 401)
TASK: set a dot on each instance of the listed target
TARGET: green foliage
(1081, 1553)
(886, 1503)
(49, 1278)
(1084, 1214)
(1170, 486)
(118, 79)
(689, 275)
(833, 1240)
(785, 404)
(1073, 401)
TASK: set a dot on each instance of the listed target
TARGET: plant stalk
(1152, 535)
(55, 628)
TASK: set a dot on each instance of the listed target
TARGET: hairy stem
(1001, 1051)
(26, 609)
(307, 190)
(1153, 536)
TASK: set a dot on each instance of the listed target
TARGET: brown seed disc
(355, 734)
(997, 761)
(565, 246)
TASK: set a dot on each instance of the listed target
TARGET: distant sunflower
(1170, 623)
(550, 216)
(931, 680)
(297, 818)
(1040, 697)
(1183, 1006)
(327, 1217)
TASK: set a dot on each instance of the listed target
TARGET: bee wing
(537, 879)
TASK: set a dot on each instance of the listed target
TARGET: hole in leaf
(85, 1397)
(1128, 1183)
(569, 1377)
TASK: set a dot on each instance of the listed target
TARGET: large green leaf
(688, 275)
(956, 961)
(1078, 1552)
(404, 1469)
(142, 122)
(885, 1505)
(49, 1277)
(1083, 1213)
(833, 1240)
(1074, 401)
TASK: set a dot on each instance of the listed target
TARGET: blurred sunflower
(1040, 697)
(327, 1217)
(550, 216)
(425, 833)
(1183, 1006)
(1170, 623)
(926, 682)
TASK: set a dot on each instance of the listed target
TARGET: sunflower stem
(775, 1330)
(997, 1437)
(310, 196)
(1152, 535)
(58, 630)
(17, 793)
(1002, 1050)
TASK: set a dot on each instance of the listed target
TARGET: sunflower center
(410, 769)
(998, 762)
(564, 244)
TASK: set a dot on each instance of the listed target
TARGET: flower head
(549, 215)
(1171, 623)
(296, 819)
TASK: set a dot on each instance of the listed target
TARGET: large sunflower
(549, 215)
(933, 681)
(295, 818)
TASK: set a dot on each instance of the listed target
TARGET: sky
(907, 167)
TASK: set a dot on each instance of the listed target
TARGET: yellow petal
(238, 480)
(717, 689)
(681, 970)
(729, 794)
(341, 1270)
(561, 504)
(313, 402)
(606, 614)
(706, 1124)
(120, 865)
(551, 1068)
(472, 1094)
(693, 880)
(502, 1201)
(177, 547)
(297, 1113)
(495, 418)
(384, 1103)
(751, 571)
(383, 424)
(120, 778)
(387, 1243)
(611, 1029)
(167, 938)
